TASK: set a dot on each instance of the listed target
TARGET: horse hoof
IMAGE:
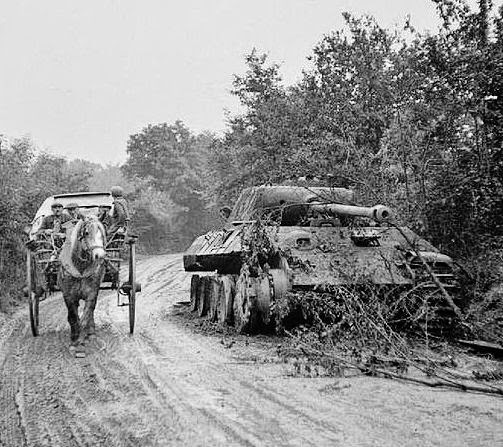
(80, 354)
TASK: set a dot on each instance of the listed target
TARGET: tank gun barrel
(379, 213)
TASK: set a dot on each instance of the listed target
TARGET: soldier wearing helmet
(53, 223)
(120, 212)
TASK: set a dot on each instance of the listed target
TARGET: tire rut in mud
(12, 426)
(150, 389)
(40, 378)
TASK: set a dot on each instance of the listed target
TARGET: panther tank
(279, 239)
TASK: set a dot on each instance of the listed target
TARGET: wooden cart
(42, 263)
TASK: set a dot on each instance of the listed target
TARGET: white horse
(80, 275)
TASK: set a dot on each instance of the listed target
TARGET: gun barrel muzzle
(379, 213)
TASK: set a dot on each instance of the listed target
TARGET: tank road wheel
(33, 298)
(251, 302)
(202, 296)
(242, 302)
(280, 283)
(214, 296)
(132, 283)
(226, 299)
(263, 298)
(194, 283)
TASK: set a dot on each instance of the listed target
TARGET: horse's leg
(70, 291)
(91, 329)
(72, 304)
(86, 315)
(92, 291)
(95, 284)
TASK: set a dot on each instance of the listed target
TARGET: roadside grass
(11, 288)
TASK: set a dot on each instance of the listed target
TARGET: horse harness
(67, 264)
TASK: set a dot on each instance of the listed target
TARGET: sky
(79, 77)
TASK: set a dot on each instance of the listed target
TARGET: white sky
(81, 76)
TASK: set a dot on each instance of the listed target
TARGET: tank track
(245, 301)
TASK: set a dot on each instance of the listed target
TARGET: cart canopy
(88, 203)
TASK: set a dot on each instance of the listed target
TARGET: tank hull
(316, 255)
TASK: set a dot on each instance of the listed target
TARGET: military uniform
(74, 213)
(120, 213)
(45, 280)
(54, 223)
(105, 219)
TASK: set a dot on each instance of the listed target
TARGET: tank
(279, 239)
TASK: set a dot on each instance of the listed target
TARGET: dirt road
(167, 385)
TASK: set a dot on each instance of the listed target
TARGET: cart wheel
(132, 282)
(33, 298)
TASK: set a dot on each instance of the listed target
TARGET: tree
(104, 177)
(26, 179)
(171, 160)
(406, 118)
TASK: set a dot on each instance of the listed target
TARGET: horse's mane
(74, 235)
(67, 255)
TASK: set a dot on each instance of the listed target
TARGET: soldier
(120, 212)
(53, 223)
(104, 216)
(73, 211)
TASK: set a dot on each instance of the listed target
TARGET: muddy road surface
(168, 385)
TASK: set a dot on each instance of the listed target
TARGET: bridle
(67, 264)
(83, 233)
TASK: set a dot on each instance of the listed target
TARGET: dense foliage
(26, 179)
(408, 119)
(170, 164)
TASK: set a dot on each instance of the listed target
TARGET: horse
(81, 271)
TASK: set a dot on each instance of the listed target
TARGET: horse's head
(92, 236)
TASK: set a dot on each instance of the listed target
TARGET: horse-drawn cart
(43, 260)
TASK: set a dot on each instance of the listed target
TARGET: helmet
(117, 191)
(57, 205)
(71, 206)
